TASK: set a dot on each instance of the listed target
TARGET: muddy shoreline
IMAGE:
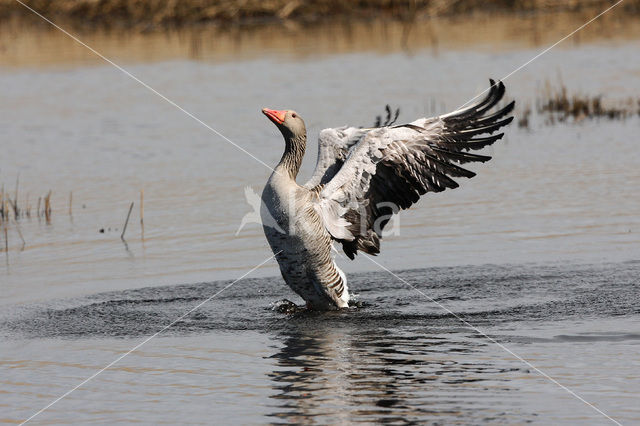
(150, 15)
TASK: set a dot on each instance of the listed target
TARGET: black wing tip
(495, 93)
(496, 90)
(500, 85)
(510, 106)
(476, 119)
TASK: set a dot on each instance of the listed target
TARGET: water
(559, 192)
(539, 250)
(398, 358)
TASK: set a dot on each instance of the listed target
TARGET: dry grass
(12, 210)
(559, 105)
(150, 14)
(556, 105)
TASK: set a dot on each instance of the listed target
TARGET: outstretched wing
(333, 149)
(334, 145)
(389, 168)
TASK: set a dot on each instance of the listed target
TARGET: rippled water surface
(539, 251)
(398, 358)
(554, 192)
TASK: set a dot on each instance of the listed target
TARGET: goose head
(288, 122)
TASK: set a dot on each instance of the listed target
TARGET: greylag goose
(362, 177)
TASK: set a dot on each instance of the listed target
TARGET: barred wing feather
(364, 176)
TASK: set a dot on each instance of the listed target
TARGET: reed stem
(126, 222)
(142, 212)
(47, 207)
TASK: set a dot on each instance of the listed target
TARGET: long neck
(294, 152)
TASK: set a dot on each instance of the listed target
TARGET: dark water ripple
(482, 295)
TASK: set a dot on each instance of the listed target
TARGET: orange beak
(274, 115)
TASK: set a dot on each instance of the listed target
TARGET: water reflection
(22, 45)
(331, 370)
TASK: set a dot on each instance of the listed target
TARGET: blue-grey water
(539, 252)
(398, 358)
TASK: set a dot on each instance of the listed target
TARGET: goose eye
(294, 115)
